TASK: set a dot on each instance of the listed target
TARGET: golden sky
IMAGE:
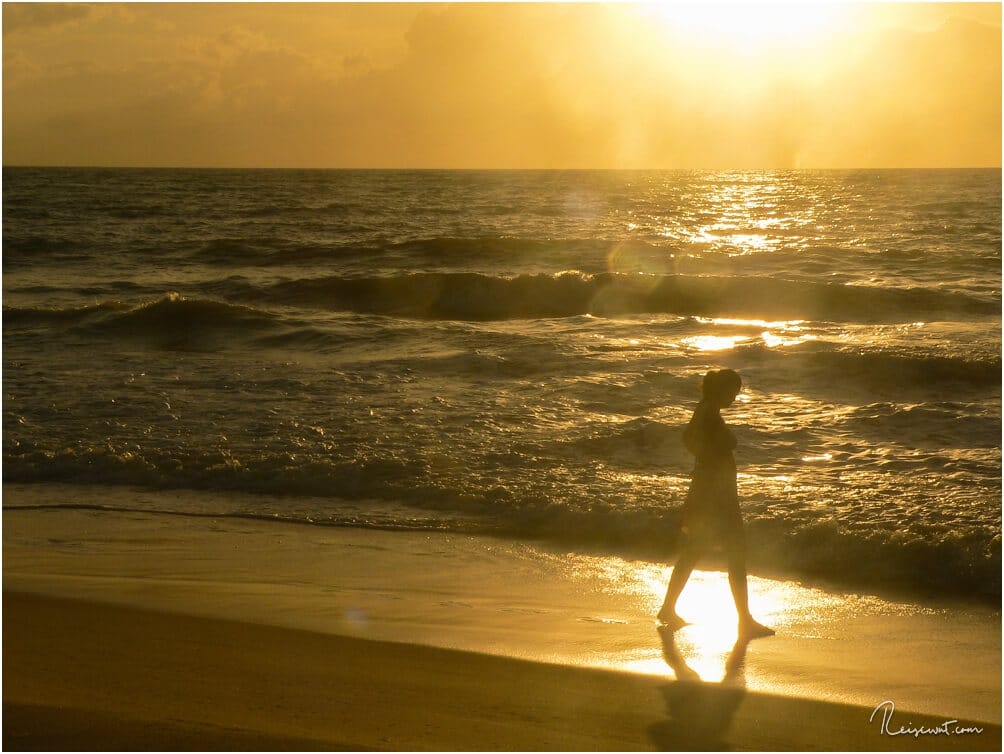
(558, 85)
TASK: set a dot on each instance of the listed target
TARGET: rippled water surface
(518, 352)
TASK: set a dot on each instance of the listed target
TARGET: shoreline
(511, 599)
(243, 686)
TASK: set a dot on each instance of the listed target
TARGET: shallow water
(517, 353)
(510, 598)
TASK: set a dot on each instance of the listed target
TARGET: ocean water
(516, 353)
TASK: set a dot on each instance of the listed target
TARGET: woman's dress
(711, 510)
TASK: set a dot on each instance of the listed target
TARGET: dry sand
(86, 675)
(492, 596)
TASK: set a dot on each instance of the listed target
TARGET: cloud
(30, 16)
(477, 85)
(930, 98)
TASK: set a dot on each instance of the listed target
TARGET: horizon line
(492, 169)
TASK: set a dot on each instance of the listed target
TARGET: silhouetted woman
(711, 511)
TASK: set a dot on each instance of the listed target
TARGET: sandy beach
(146, 631)
(81, 675)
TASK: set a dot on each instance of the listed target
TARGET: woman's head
(721, 386)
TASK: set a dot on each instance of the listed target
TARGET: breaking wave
(474, 296)
(170, 317)
(961, 561)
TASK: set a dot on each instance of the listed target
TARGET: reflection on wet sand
(700, 712)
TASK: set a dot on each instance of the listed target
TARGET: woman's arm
(707, 434)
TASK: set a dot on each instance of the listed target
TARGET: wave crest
(170, 321)
(965, 562)
(475, 296)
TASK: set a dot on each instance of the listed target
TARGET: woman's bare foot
(750, 629)
(669, 619)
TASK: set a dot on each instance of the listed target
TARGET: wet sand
(87, 675)
(138, 630)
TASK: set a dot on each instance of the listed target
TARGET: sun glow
(748, 27)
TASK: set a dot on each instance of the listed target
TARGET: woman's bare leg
(748, 627)
(681, 572)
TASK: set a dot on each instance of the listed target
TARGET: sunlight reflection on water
(705, 644)
(713, 342)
